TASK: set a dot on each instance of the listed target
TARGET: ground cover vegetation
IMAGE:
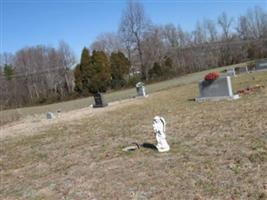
(218, 149)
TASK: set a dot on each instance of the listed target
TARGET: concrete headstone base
(202, 99)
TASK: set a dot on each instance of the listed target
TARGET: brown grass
(218, 150)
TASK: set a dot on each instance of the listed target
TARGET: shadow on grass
(149, 146)
(193, 99)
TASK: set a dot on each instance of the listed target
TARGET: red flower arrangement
(212, 76)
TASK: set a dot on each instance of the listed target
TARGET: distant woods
(213, 43)
(36, 75)
(139, 50)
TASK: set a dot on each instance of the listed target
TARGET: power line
(21, 75)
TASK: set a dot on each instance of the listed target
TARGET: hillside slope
(218, 149)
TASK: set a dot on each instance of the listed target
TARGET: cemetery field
(218, 149)
(7, 116)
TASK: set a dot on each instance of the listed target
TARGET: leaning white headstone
(231, 72)
(159, 126)
(140, 89)
(243, 70)
(50, 115)
(215, 90)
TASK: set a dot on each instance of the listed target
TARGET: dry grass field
(218, 149)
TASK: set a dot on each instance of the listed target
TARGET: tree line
(212, 43)
(36, 75)
(139, 50)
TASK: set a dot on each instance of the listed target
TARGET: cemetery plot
(218, 150)
(250, 90)
(218, 89)
(241, 70)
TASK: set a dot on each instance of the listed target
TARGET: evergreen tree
(120, 66)
(85, 69)
(93, 73)
(81, 72)
(99, 72)
(168, 67)
(8, 71)
(78, 79)
(156, 71)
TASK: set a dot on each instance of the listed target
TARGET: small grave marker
(241, 70)
(50, 115)
(99, 100)
(231, 72)
(140, 89)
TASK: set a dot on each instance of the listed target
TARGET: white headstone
(140, 89)
(159, 126)
(50, 115)
(243, 70)
(231, 72)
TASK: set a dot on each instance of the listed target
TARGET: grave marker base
(202, 99)
(100, 106)
(99, 101)
(219, 89)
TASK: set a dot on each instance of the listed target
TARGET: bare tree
(200, 34)
(153, 47)
(107, 42)
(210, 27)
(66, 55)
(133, 26)
(67, 61)
(225, 23)
(6, 59)
(40, 73)
(253, 25)
(170, 35)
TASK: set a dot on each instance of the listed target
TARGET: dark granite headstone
(99, 100)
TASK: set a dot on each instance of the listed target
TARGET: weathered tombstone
(231, 72)
(99, 100)
(50, 115)
(159, 126)
(140, 89)
(215, 90)
(261, 65)
(58, 112)
(243, 69)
